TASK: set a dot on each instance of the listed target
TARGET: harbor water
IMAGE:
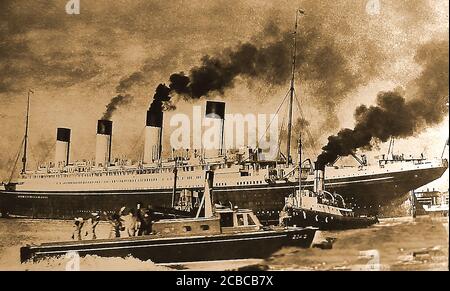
(393, 244)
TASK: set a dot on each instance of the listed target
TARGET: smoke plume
(114, 103)
(321, 66)
(393, 115)
(128, 82)
(122, 98)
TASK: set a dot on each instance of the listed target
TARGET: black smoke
(321, 64)
(122, 98)
(393, 115)
(218, 73)
(128, 82)
(161, 95)
(114, 103)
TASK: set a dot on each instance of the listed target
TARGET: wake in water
(393, 244)
(91, 263)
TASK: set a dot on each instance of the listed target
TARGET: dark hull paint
(325, 221)
(259, 244)
(369, 196)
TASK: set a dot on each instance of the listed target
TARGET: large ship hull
(370, 194)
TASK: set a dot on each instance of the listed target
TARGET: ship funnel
(216, 110)
(319, 176)
(153, 137)
(62, 147)
(103, 143)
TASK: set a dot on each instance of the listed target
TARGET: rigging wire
(281, 131)
(308, 132)
(278, 109)
(13, 170)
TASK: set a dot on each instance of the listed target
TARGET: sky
(75, 64)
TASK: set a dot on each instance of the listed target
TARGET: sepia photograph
(213, 135)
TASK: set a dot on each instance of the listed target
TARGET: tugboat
(320, 208)
(222, 234)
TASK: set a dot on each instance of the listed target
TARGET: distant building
(432, 202)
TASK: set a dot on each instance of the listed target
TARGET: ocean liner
(65, 189)
(244, 178)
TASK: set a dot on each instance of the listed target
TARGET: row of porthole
(31, 197)
(267, 212)
(250, 182)
(316, 218)
(124, 181)
(98, 174)
(109, 181)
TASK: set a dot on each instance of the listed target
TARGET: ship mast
(292, 89)
(299, 193)
(24, 158)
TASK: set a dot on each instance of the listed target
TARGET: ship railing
(415, 161)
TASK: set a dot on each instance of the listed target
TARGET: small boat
(223, 234)
(325, 214)
(320, 208)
